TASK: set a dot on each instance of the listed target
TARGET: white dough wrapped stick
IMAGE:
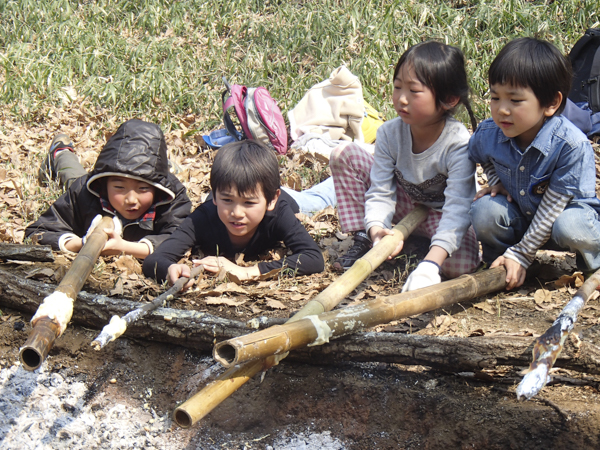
(53, 315)
(548, 346)
(117, 325)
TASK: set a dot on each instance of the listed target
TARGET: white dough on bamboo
(323, 331)
(58, 306)
(116, 327)
(533, 382)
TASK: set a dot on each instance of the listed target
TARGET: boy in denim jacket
(540, 167)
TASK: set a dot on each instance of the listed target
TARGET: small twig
(118, 325)
(558, 409)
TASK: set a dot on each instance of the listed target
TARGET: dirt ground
(344, 405)
(123, 396)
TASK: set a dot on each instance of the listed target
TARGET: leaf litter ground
(123, 396)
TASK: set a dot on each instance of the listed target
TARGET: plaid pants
(351, 167)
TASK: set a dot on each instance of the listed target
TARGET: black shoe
(60, 142)
(362, 244)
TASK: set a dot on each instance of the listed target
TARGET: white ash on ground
(43, 410)
(307, 442)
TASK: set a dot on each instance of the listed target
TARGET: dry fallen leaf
(485, 306)
(570, 280)
(40, 273)
(275, 304)
(231, 288)
(267, 276)
(223, 301)
(118, 289)
(128, 264)
(542, 296)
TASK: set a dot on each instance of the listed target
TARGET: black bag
(585, 59)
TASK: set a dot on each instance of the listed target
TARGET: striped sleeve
(490, 173)
(540, 229)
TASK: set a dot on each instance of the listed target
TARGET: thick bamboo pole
(317, 330)
(203, 402)
(548, 346)
(53, 315)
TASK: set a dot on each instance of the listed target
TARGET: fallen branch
(444, 353)
(548, 346)
(22, 252)
(117, 325)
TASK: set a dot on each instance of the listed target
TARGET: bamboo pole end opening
(225, 354)
(30, 358)
(38, 345)
(182, 418)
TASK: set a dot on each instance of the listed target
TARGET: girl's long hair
(441, 68)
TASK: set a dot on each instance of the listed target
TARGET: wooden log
(444, 353)
(22, 252)
(198, 331)
(188, 328)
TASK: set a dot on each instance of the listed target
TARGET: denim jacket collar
(542, 141)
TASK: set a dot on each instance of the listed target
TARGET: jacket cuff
(522, 259)
(374, 224)
(149, 244)
(64, 239)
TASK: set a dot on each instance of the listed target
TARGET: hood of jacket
(137, 150)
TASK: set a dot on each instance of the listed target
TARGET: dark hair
(535, 64)
(441, 68)
(246, 165)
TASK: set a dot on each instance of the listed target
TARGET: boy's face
(130, 198)
(242, 215)
(517, 111)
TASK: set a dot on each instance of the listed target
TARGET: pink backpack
(258, 114)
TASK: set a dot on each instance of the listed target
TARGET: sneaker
(60, 142)
(362, 244)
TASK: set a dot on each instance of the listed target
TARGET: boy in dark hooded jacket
(130, 181)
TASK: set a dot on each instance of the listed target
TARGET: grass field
(164, 59)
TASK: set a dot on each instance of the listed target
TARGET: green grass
(163, 59)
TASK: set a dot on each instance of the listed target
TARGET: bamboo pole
(118, 325)
(53, 315)
(548, 346)
(317, 330)
(203, 402)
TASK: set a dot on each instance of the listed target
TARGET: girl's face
(413, 101)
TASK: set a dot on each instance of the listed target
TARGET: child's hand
(515, 272)
(493, 191)
(115, 243)
(377, 233)
(426, 274)
(214, 263)
(176, 271)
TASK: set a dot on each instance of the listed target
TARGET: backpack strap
(594, 84)
(581, 42)
(227, 104)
